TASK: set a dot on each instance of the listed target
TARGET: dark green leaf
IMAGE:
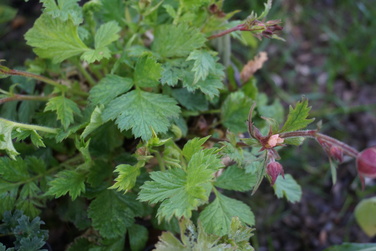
(297, 118)
(234, 178)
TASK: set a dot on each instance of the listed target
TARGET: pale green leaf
(204, 62)
(234, 178)
(109, 88)
(170, 74)
(106, 34)
(168, 242)
(97, 54)
(6, 143)
(55, 39)
(65, 109)
(142, 112)
(234, 112)
(365, 213)
(147, 72)
(297, 117)
(63, 10)
(36, 139)
(217, 216)
(177, 41)
(287, 187)
(67, 181)
(110, 214)
(179, 191)
(127, 176)
(95, 121)
(193, 146)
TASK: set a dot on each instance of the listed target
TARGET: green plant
(115, 113)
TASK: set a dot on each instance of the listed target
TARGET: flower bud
(274, 169)
(336, 153)
(366, 164)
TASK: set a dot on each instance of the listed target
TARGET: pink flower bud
(366, 164)
(274, 169)
(336, 153)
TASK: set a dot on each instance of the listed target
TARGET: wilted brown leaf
(252, 66)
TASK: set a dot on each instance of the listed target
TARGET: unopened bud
(366, 164)
(274, 169)
(336, 153)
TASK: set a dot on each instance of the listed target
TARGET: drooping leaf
(297, 117)
(234, 178)
(95, 121)
(365, 213)
(6, 143)
(109, 88)
(142, 112)
(63, 10)
(217, 216)
(65, 109)
(110, 214)
(234, 112)
(147, 72)
(204, 62)
(287, 187)
(55, 39)
(67, 181)
(177, 41)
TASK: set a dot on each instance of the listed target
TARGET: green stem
(30, 127)
(7, 71)
(86, 74)
(160, 161)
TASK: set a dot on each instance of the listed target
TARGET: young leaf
(235, 111)
(179, 191)
(55, 39)
(6, 143)
(297, 117)
(109, 88)
(65, 109)
(234, 178)
(67, 181)
(216, 217)
(147, 72)
(105, 35)
(288, 188)
(64, 10)
(365, 213)
(177, 41)
(126, 178)
(142, 112)
(193, 146)
(110, 214)
(204, 62)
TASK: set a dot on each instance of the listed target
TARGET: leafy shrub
(115, 113)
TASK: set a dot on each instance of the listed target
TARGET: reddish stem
(314, 134)
(236, 28)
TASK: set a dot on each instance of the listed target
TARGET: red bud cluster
(332, 150)
(366, 164)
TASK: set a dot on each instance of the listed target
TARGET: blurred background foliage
(330, 57)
